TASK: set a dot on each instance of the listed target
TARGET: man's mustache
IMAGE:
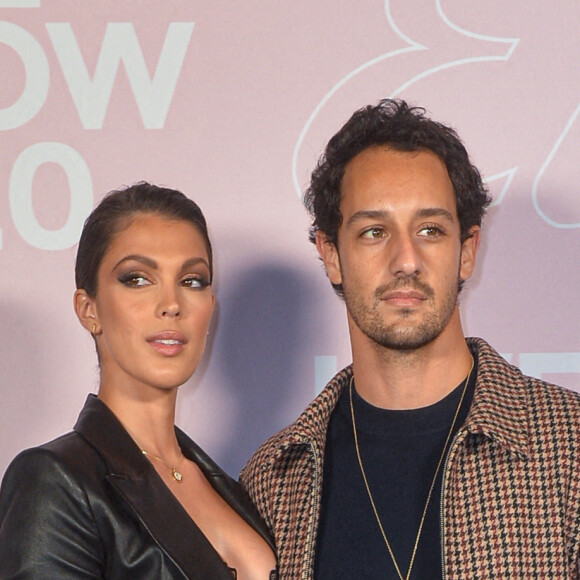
(407, 283)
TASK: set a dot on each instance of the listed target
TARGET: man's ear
(86, 311)
(329, 255)
(469, 253)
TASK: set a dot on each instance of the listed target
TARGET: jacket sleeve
(46, 525)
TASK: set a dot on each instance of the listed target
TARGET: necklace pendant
(177, 476)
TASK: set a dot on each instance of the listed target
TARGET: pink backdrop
(232, 102)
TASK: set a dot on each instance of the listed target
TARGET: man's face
(399, 256)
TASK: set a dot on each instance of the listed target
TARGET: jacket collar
(313, 423)
(498, 411)
(310, 429)
(136, 480)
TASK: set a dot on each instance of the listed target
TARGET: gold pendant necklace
(375, 511)
(174, 469)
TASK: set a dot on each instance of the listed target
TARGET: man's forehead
(387, 181)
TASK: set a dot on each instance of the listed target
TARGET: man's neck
(410, 379)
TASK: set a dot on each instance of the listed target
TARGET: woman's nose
(169, 305)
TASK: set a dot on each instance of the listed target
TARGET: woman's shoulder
(66, 458)
(44, 502)
(45, 482)
(43, 476)
(60, 446)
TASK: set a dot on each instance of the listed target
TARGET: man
(430, 456)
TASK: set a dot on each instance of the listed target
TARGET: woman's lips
(168, 342)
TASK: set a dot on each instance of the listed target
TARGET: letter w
(120, 43)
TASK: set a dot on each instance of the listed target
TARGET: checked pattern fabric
(511, 487)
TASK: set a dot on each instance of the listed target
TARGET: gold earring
(94, 329)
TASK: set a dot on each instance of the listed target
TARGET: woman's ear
(86, 311)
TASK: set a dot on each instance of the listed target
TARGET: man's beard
(397, 335)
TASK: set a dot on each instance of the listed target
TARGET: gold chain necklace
(362, 470)
(174, 469)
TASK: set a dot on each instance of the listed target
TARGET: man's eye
(374, 233)
(431, 231)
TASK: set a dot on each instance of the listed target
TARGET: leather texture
(90, 505)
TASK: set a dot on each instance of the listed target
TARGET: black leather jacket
(90, 505)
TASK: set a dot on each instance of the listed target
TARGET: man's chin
(405, 339)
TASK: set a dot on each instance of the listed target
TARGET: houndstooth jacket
(510, 501)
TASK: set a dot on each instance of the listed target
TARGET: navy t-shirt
(400, 451)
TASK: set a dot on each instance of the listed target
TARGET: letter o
(20, 195)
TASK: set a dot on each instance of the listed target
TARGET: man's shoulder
(560, 403)
(501, 385)
(309, 429)
(295, 435)
(256, 474)
(497, 368)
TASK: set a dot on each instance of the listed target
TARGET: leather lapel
(226, 486)
(136, 481)
(171, 527)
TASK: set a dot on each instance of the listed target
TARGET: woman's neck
(149, 418)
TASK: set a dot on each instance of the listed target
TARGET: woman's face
(153, 304)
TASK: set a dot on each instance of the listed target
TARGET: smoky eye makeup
(196, 280)
(194, 273)
(133, 279)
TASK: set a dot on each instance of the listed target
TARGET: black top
(400, 451)
(90, 505)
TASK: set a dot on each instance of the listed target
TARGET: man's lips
(404, 294)
(403, 298)
(405, 289)
(167, 342)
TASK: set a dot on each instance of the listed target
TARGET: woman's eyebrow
(137, 258)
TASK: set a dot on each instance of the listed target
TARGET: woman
(126, 494)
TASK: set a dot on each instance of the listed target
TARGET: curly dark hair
(403, 128)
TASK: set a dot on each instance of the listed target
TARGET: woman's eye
(374, 233)
(194, 282)
(134, 280)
